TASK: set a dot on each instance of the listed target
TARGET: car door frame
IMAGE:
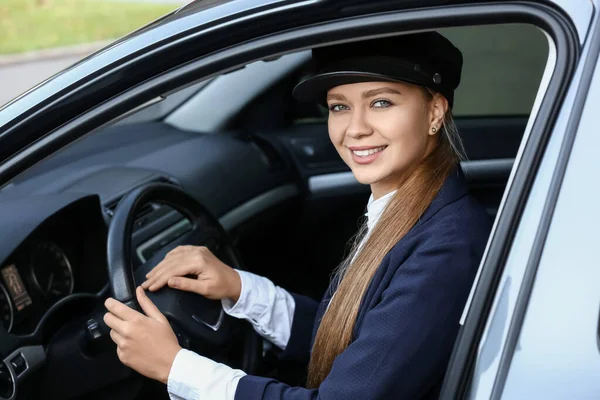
(557, 325)
(462, 379)
(548, 18)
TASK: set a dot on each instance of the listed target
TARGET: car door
(557, 337)
(143, 69)
(530, 329)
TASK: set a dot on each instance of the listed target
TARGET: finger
(113, 322)
(188, 285)
(150, 277)
(180, 249)
(121, 310)
(158, 267)
(177, 270)
(148, 306)
(180, 252)
(120, 354)
(163, 266)
(117, 338)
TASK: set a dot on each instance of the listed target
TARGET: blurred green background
(27, 25)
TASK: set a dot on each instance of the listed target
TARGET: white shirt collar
(376, 207)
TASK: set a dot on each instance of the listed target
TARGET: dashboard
(66, 255)
(62, 255)
(56, 214)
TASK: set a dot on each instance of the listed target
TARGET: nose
(358, 125)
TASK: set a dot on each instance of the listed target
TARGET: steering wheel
(194, 318)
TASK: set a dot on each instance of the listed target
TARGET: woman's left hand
(145, 343)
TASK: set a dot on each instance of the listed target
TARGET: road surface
(20, 77)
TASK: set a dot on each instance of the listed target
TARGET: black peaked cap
(426, 59)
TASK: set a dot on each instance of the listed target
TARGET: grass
(26, 26)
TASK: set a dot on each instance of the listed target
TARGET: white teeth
(365, 153)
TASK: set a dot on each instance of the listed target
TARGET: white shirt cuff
(269, 308)
(242, 308)
(193, 377)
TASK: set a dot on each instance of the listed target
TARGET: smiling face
(382, 130)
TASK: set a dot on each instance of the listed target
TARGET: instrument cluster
(38, 277)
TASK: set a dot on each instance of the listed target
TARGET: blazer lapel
(455, 186)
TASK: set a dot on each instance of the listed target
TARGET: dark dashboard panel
(64, 254)
(59, 210)
(220, 170)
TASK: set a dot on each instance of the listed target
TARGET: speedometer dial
(6, 309)
(51, 270)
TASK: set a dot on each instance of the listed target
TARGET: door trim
(522, 302)
(376, 25)
(565, 38)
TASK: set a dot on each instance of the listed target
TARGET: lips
(366, 154)
(368, 151)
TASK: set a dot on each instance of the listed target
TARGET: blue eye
(337, 107)
(381, 104)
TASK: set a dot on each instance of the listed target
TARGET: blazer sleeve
(298, 345)
(405, 341)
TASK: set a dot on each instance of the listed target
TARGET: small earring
(434, 129)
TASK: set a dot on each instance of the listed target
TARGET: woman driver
(387, 324)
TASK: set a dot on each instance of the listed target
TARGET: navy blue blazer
(409, 317)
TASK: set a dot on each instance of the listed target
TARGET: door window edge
(565, 37)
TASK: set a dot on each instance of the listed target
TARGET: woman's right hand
(210, 277)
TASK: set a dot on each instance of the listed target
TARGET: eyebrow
(365, 95)
(335, 96)
(375, 92)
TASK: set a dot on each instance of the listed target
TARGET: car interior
(262, 165)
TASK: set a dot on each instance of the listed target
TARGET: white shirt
(270, 310)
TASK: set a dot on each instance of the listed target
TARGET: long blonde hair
(411, 200)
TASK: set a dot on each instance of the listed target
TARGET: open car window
(503, 66)
(502, 69)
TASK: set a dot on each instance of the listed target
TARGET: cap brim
(316, 87)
